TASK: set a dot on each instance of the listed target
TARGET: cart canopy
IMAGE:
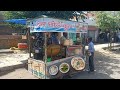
(56, 25)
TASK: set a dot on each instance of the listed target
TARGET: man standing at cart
(52, 38)
(63, 38)
(78, 39)
(91, 54)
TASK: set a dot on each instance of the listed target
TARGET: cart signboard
(37, 68)
(57, 25)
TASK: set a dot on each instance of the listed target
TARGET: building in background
(4, 28)
(93, 30)
(7, 37)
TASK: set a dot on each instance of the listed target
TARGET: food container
(48, 59)
(78, 63)
(64, 67)
(68, 42)
(53, 70)
(24, 37)
(53, 50)
(74, 50)
(22, 45)
(77, 51)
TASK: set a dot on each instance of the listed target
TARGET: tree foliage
(107, 19)
(33, 14)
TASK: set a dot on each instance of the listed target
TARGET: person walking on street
(91, 54)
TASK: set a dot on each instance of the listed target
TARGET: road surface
(107, 65)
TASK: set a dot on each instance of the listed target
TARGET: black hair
(54, 33)
(90, 38)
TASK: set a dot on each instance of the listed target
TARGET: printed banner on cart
(56, 25)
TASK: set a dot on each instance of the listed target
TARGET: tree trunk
(110, 40)
(108, 45)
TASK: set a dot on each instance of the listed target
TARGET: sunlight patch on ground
(115, 75)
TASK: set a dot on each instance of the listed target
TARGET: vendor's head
(77, 34)
(65, 34)
(89, 39)
(48, 34)
(55, 33)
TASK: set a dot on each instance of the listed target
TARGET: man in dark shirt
(53, 39)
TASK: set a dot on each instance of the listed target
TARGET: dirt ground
(12, 59)
(21, 73)
(107, 65)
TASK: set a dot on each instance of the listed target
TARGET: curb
(12, 67)
(7, 52)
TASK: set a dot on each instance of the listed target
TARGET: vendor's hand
(89, 53)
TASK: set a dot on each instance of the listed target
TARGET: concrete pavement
(10, 60)
(6, 51)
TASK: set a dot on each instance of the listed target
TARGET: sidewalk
(100, 46)
(5, 51)
(10, 60)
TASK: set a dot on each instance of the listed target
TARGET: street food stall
(51, 61)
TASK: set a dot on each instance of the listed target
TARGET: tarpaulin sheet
(16, 21)
(56, 25)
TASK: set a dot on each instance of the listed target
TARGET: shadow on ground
(105, 67)
(13, 69)
(6, 72)
(86, 75)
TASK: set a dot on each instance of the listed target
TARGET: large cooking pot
(53, 50)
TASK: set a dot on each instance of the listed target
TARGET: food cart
(55, 61)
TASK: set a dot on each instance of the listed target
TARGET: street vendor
(63, 38)
(52, 38)
(78, 39)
